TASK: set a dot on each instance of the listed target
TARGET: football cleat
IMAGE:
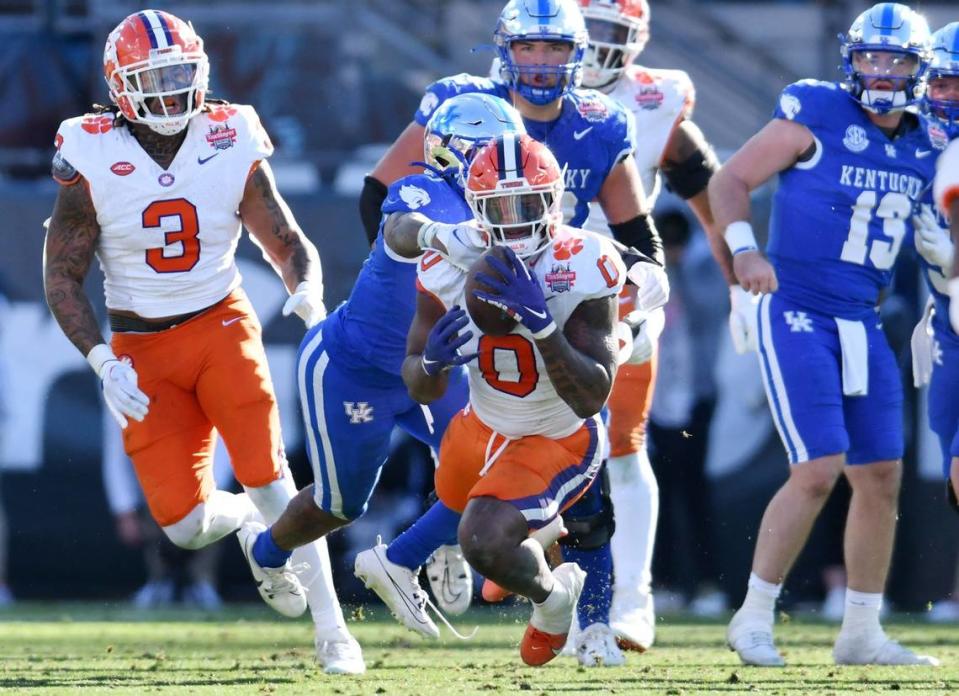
(596, 647)
(547, 630)
(279, 587)
(633, 620)
(451, 579)
(398, 587)
(343, 656)
(752, 639)
(877, 649)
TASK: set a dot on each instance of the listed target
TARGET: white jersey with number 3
(167, 236)
(659, 100)
(946, 186)
(510, 390)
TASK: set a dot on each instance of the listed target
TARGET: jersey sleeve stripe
(426, 291)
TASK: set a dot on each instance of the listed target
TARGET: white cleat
(451, 579)
(752, 639)
(279, 587)
(632, 617)
(397, 587)
(877, 649)
(596, 647)
(340, 656)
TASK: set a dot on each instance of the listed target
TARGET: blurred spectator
(167, 565)
(6, 596)
(682, 409)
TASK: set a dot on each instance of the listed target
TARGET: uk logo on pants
(358, 412)
(799, 322)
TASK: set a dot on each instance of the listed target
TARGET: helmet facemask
(521, 218)
(942, 92)
(901, 69)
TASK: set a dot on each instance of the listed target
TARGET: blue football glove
(443, 343)
(518, 294)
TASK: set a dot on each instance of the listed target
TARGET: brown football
(488, 319)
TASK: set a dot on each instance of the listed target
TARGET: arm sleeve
(371, 201)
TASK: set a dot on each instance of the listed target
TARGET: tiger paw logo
(567, 248)
(221, 112)
(97, 125)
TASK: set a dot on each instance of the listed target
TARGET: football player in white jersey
(157, 188)
(667, 142)
(946, 191)
(530, 442)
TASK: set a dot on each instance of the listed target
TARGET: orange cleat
(493, 593)
(538, 647)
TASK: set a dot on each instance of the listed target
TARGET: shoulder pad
(447, 87)
(597, 266)
(413, 193)
(806, 101)
(236, 124)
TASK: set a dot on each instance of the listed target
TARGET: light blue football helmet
(888, 27)
(461, 126)
(944, 63)
(541, 20)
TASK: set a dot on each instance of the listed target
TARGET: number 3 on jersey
(186, 235)
(893, 210)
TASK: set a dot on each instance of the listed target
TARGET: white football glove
(743, 319)
(307, 303)
(461, 244)
(922, 347)
(652, 285)
(932, 241)
(119, 381)
(640, 331)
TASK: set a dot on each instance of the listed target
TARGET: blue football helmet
(884, 30)
(541, 20)
(461, 126)
(944, 63)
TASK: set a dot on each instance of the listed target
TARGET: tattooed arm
(581, 361)
(273, 227)
(68, 252)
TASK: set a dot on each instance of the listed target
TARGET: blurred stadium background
(334, 82)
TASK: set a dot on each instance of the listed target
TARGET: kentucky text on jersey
(881, 180)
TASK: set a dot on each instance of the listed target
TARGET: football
(488, 319)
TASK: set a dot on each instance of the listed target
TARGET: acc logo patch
(414, 196)
(790, 105)
(855, 139)
(122, 168)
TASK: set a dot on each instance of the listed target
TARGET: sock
(862, 612)
(267, 553)
(550, 614)
(594, 602)
(436, 527)
(761, 596)
(635, 496)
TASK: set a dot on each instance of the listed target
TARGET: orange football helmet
(514, 189)
(156, 70)
(618, 32)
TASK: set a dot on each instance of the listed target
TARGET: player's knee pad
(194, 531)
(271, 500)
(951, 495)
(591, 526)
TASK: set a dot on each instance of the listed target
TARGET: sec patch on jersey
(491, 320)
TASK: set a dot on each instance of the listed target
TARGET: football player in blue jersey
(348, 366)
(852, 163)
(935, 344)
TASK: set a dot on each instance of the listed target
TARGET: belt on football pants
(124, 324)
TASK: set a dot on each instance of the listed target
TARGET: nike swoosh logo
(204, 160)
(923, 153)
(227, 322)
(541, 315)
(578, 135)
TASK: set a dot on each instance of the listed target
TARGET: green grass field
(83, 649)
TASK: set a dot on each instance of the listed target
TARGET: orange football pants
(206, 375)
(540, 476)
(632, 395)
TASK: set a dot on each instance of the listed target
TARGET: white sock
(761, 597)
(553, 614)
(862, 612)
(635, 496)
(272, 500)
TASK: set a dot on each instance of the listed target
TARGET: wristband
(426, 234)
(545, 332)
(99, 356)
(739, 237)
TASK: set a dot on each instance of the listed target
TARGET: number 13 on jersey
(893, 210)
